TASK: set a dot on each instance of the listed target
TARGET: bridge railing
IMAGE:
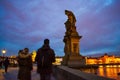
(66, 73)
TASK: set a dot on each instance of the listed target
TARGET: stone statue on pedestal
(71, 40)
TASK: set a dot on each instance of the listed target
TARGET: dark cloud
(28, 23)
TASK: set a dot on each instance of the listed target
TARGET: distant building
(105, 59)
(33, 56)
(58, 60)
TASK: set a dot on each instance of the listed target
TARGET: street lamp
(3, 52)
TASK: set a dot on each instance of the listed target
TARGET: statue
(70, 23)
(71, 17)
(71, 40)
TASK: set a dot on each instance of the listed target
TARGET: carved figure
(70, 23)
(71, 17)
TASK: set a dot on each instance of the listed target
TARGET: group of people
(44, 58)
(4, 63)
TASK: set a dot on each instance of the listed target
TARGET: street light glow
(3, 51)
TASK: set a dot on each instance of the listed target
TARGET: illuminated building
(105, 59)
(58, 60)
(33, 56)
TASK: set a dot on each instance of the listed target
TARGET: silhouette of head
(26, 50)
(46, 41)
(20, 51)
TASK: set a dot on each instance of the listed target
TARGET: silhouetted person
(44, 58)
(6, 63)
(20, 51)
(25, 65)
(1, 63)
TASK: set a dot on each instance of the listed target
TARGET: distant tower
(71, 39)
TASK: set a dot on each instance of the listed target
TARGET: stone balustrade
(66, 73)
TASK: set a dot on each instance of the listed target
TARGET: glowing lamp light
(3, 51)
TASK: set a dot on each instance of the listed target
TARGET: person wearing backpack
(44, 58)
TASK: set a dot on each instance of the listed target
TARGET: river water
(107, 71)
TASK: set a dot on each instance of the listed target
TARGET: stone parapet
(66, 73)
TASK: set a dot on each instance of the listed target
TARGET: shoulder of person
(30, 55)
(51, 49)
(39, 50)
(24, 55)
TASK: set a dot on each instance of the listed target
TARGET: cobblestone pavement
(13, 71)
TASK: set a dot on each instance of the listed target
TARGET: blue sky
(27, 23)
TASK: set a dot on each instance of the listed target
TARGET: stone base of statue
(73, 61)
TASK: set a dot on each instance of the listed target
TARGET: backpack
(44, 59)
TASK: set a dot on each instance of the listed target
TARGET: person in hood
(44, 58)
(25, 64)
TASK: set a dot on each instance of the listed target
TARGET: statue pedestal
(75, 61)
(72, 56)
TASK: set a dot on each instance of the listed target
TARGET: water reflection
(109, 71)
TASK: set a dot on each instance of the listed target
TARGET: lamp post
(4, 52)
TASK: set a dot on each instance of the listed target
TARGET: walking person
(6, 64)
(44, 58)
(1, 63)
(25, 65)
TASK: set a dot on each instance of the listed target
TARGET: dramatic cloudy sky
(27, 23)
